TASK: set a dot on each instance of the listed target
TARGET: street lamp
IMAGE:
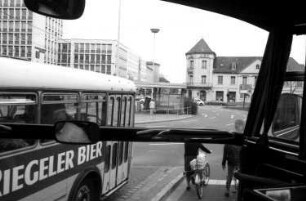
(154, 31)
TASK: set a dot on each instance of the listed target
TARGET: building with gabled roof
(223, 79)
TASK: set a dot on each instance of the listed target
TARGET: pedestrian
(152, 106)
(231, 157)
(191, 152)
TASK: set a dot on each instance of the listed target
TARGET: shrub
(190, 107)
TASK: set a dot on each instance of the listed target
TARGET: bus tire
(86, 191)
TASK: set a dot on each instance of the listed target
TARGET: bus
(45, 169)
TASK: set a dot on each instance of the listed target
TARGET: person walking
(152, 106)
(231, 157)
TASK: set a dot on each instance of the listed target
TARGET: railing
(190, 70)
(168, 110)
(245, 87)
(199, 84)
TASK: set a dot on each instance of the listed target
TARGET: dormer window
(257, 66)
(234, 66)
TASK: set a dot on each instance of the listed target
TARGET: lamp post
(154, 31)
(118, 38)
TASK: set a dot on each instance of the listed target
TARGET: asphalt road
(171, 154)
(153, 155)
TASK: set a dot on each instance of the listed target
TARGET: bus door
(124, 146)
(113, 117)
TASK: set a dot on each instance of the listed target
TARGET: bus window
(128, 112)
(18, 108)
(110, 111)
(91, 109)
(114, 155)
(123, 111)
(104, 111)
(126, 151)
(287, 117)
(120, 158)
(116, 114)
(107, 158)
(58, 108)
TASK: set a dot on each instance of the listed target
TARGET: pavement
(142, 118)
(152, 183)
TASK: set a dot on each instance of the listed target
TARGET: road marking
(161, 144)
(219, 182)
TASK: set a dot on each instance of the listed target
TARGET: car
(199, 102)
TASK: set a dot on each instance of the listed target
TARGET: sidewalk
(141, 118)
(149, 183)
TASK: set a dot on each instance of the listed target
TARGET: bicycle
(200, 178)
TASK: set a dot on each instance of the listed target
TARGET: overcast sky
(180, 29)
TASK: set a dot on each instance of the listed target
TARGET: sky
(180, 27)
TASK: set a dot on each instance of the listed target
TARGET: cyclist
(191, 152)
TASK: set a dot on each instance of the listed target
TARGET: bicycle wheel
(206, 173)
(200, 190)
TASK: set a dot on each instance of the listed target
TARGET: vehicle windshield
(190, 69)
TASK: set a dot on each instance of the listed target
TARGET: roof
(200, 47)
(17, 74)
(267, 14)
(224, 64)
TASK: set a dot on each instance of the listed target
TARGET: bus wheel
(86, 192)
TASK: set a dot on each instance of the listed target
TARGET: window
(191, 79)
(107, 158)
(37, 54)
(191, 64)
(220, 79)
(219, 96)
(123, 111)
(126, 151)
(19, 108)
(233, 80)
(257, 66)
(91, 109)
(114, 155)
(287, 118)
(58, 107)
(244, 80)
(203, 79)
(204, 64)
(234, 66)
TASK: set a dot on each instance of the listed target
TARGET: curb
(169, 188)
(165, 120)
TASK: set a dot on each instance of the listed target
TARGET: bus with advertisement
(48, 170)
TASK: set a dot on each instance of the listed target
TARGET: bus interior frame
(265, 163)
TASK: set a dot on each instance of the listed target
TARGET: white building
(101, 56)
(26, 35)
(224, 79)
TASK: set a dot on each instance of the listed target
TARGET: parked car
(199, 101)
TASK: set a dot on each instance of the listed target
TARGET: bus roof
(18, 74)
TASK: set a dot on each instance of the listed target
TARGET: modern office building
(102, 56)
(26, 35)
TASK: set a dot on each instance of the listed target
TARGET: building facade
(102, 56)
(225, 79)
(26, 35)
